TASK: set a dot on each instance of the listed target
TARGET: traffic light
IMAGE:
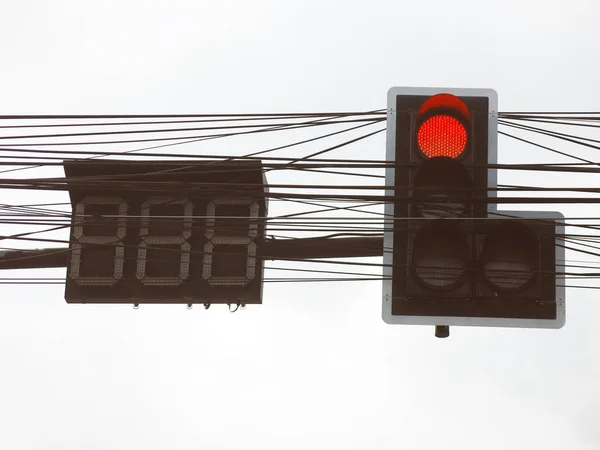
(450, 258)
(165, 231)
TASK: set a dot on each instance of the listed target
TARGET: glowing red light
(442, 135)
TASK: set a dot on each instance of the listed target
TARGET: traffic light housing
(450, 258)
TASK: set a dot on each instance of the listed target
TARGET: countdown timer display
(165, 233)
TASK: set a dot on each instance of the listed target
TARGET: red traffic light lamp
(443, 127)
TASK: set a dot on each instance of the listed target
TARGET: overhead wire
(158, 139)
(374, 200)
(187, 140)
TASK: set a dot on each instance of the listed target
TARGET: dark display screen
(140, 247)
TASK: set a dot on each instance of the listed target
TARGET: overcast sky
(314, 366)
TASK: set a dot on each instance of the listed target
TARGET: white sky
(314, 366)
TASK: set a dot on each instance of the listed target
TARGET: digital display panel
(193, 241)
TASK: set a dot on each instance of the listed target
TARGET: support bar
(271, 249)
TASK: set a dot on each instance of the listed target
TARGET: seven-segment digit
(228, 238)
(115, 240)
(181, 240)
